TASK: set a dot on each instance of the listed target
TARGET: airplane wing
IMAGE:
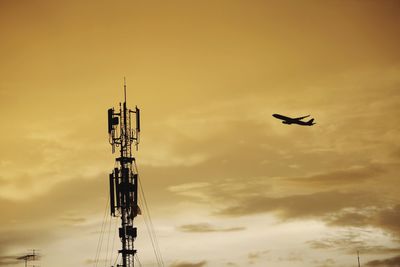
(281, 117)
(300, 118)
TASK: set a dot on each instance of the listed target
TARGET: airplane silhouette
(288, 120)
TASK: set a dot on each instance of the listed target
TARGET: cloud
(253, 257)
(8, 260)
(357, 115)
(43, 219)
(353, 239)
(24, 237)
(72, 220)
(386, 218)
(325, 263)
(51, 157)
(97, 262)
(347, 240)
(390, 218)
(352, 175)
(206, 228)
(378, 250)
(390, 262)
(352, 217)
(189, 264)
(330, 197)
(299, 206)
(293, 257)
(66, 198)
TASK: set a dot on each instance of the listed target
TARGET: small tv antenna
(29, 257)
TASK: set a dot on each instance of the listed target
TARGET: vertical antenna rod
(358, 257)
(124, 178)
(124, 89)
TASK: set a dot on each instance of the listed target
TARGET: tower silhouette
(124, 178)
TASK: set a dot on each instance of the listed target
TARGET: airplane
(287, 120)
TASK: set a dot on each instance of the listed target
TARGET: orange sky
(227, 184)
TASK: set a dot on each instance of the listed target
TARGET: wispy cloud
(207, 228)
(189, 264)
(389, 262)
(8, 260)
(316, 204)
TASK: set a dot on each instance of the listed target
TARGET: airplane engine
(286, 122)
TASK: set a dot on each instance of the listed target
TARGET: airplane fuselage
(298, 121)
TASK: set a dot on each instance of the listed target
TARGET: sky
(226, 183)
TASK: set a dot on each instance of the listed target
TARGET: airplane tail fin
(310, 122)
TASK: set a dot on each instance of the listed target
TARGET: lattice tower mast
(124, 178)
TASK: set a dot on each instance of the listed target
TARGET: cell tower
(124, 177)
